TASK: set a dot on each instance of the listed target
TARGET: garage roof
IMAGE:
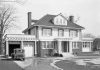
(19, 37)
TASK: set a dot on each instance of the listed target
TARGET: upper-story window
(73, 33)
(59, 20)
(47, 32)
(61, 32)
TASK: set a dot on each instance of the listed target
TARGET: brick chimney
(29, 19)
(71, 18)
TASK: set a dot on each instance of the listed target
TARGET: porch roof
(63, 39)
(19, 37)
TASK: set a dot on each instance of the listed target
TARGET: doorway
(65, 46)
(12, 47)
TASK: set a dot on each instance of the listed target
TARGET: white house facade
(49, 35)
(56, 34)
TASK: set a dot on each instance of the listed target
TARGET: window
(61, 32)
(47, 32)
(75, 45)
(47, 44)
(73, 33)
(60, 21)
(86, 44)
(43, 44)
(57, 21)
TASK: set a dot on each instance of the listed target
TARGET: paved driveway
(72, 65)
(9, 65)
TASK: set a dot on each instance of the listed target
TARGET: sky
(87, 10)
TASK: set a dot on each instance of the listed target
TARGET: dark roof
(47, 20)
(34, 21)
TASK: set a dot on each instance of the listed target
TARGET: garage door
(28, 47)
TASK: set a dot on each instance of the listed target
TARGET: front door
(65, 46)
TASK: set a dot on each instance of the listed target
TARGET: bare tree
(17, 1)
(7, 18)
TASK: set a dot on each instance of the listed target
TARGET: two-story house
(55, 33)
(49, 35)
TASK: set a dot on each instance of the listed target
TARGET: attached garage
(28, 47)
(12, 46)
(25, 42)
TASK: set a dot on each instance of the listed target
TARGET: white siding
(55, 34)
(66, 33)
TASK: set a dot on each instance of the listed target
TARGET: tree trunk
(1, 38)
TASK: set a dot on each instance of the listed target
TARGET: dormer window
(56, 20)
(59, 20)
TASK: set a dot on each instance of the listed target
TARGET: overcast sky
(87, 10)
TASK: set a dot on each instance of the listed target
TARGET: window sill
(47, 48)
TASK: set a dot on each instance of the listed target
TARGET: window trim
(73, 30)
(62, 34)
(46, 46)
(46, 28)
(75, 45)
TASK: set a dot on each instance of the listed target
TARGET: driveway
(9, 65)
(79, 64)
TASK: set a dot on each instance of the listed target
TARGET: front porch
(48, 48)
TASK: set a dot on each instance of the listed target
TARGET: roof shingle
(47, 21)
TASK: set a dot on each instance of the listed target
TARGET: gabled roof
(47, 20)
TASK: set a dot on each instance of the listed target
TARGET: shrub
(58, 55)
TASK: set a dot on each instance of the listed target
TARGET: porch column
(90, 45)
(35, 49)
(70, 46)
(22, 47)
(7, 48)
(59, 47)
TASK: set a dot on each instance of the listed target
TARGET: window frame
(62, 32)
(45, 46)
(43, 32)
(74, 35)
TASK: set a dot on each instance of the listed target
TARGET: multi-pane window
(47, 32)
(86, 44)
(73, 33)
(76, 45)
(47, 44)
(61, 32)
